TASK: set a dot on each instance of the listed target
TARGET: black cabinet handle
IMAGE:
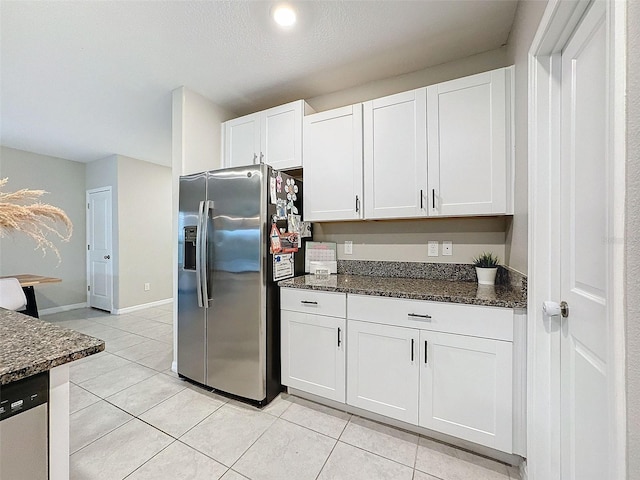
(339, 339)
(418, 315)
(357, 204)
(306, 302)
(425, 352)
(433, 197)
(421, 197)
(412, 341)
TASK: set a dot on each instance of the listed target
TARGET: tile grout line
(148, 460)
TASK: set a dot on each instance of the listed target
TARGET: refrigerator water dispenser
(190, 234)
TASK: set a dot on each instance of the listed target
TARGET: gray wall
(65, 181)
(406, 240)
(525, 24)
(142, 238)
(633, 240)
(144, 231)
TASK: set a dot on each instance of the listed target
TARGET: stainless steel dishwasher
(24, 429)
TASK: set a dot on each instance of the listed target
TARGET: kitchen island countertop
(414, 288)
(29, 346)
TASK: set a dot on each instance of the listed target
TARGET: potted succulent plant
(486, 268)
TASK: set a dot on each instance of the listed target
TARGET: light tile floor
(132, 417)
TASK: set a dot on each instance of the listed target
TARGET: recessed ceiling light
(284, 15)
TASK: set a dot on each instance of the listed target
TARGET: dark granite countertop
(415, 288)
(29, 346)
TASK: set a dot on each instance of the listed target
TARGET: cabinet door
(395, 156)
(466, 388)
(383, 369)
(281, 136)
(313, 354)
(242, 141)
(468, 142)
(333, 164)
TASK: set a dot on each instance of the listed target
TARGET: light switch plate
(348, 247)
(432, 248)
(447, 247)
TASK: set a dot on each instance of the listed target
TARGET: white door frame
(87, 236)
(543, 377)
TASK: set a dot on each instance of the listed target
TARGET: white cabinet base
(507, 458)
(466, 387)
(382, 369)
(59, 422)
(313, 353)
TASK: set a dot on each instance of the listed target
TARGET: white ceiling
(83, 79)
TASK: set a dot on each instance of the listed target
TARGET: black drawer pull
(425, 352)
(339, 339)
(306, 302)
(418, 315)
(412, 341)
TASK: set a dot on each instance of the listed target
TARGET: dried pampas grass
(36, 220)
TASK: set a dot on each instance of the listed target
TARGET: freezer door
(191, 315)
(236, 317)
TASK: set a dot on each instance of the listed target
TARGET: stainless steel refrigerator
(228, 300)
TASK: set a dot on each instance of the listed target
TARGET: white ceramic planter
(486, 276)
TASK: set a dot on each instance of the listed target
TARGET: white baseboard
(119, 311)
(62, 308)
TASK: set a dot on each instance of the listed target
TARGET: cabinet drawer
(311, 301)
(473, 320)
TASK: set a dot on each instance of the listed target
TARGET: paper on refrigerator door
(282, 266)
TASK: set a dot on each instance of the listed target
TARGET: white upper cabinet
(395, 156)
(242, 141)
(469, 120)
(273, 136)
(333, 165)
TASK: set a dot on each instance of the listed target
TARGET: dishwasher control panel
(23, 395)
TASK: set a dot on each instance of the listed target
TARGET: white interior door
(584, 264)
(99, 250)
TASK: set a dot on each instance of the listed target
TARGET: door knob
(552, 309)
(107, 257)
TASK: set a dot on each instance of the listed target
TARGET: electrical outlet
(147, 287)
(447, 247)
(432, 248)
(348, 247)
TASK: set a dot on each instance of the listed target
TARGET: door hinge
(88, 288)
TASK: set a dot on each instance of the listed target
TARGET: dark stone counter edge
(412, 296)
(48, 364)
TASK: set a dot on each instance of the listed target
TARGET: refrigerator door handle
(208, 207)
(199, 242)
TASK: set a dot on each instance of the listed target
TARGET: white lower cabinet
(429, 364)
(382, 369)
(313, 345)
(466, 388)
